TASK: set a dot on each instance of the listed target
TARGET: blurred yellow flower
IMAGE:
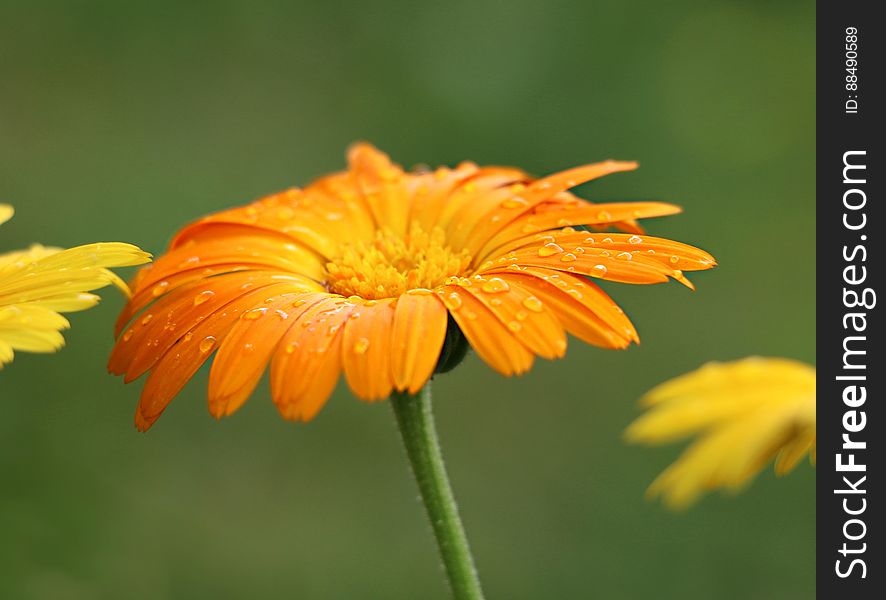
(38, 283)
(745, 413)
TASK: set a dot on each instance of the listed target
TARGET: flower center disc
(390, 265)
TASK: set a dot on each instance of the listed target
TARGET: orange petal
(182, 360)
(382, 184)
(419, 331)
(366, 349)
(581, 306)
(246, 350)
(557, 215)
(538, 330)
(492, 341)
(432, 192)
(173, 316)
(307, 363)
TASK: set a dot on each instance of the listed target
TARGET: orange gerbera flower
(364, 271)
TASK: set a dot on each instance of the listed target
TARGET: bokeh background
(124, 120)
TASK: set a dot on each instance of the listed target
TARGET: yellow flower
(367, 272)
(39, 283)
(745, 413)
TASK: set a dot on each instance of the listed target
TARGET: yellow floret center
(390, 265)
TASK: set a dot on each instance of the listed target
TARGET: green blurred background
(124, 120)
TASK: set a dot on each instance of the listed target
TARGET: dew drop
(598, 271)
(568, 257)
(255, 313)
(207, 344)
(522, 315)
(495, 302)
(188, 336)
(128, 335)
(674, 259)
(160, 288)
(495, 285)
(420, 292)
(549, 249)
(452, 301)
(147, 319)
(624, 256)
(515, 202)
(533, 304)
(514, 326)
(289, 349)
(635, 239)
(603, 216)
(299, 302)
(361, 345)
(203, 296)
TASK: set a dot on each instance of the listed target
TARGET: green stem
(416, 423)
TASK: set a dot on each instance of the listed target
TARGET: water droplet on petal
(635, 239)
(255, 313)
(674, 259)
(495, 285)
(568, 257)
(514, 326)
(515, 202)
(549, 249)
(128, 335)
(203, 296)
(361, 345)
(603, 216)
(522, 315)
(533, 304)
(207, 344)
(160, 288)
(188, 336)
(290, 348)
(624, 255)
(452, 301)
(598, 271)
(147, 319)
